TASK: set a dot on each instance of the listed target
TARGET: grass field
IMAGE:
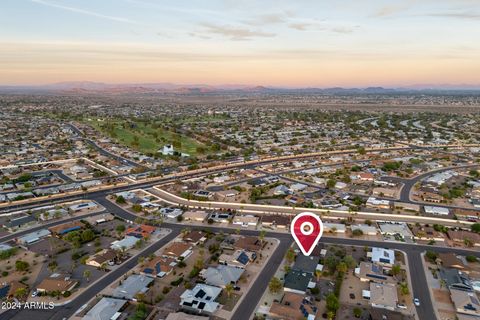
(145, 138)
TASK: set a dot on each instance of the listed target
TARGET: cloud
(84, 12)
(392, 9)
(234, 33)
(457, 15)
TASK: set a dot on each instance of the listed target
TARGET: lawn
(145, 138)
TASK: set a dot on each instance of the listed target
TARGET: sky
(301, 43)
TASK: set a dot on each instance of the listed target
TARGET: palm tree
(229, 289)
(87, 274)
(261, 236)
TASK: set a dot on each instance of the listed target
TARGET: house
(399, 229)
(65, 228)
(365, 228)
(19, 222)
(293, 306)
(101, 258)
(98, 219)
(330, 227)
(297, 187)
(456, 279)
(431, 197)
(195, 237)
(140, 232)
(33, 237)
(222, 275)
(203, 194)
(249, 243)
(131, 286)
(82, 206)
(375, 203)
(450, 260)
(126, 243)
(178, 250)
(168, 150)
(171, 213)
(372, 272)
(281, 190)
(196, 215)
(383, 256)
(221, 217)
(106, 309)
(238, 259)
(276, 221)
(383, 296)
(437, 211)
(465, 302)
(298, 282)
(306, 263)
(159, 267)
(230, 193)
(245, 220)
(366, 176)
(55, 284)
(201, 299)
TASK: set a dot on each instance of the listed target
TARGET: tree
(475, 227)
(21, 265)
(87, 235)
(350, 262)
(120, 228)
(87, 274)
(404, 288)
(471, 258)
(120, 200)
(20, 292)
(229, 289)
(261, 236)
(331, 183)
(357, 233)
(342, 267)
(332, 302)
(396, 269)
(275, 285)
(290, 255)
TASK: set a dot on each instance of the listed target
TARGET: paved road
(248, 305)
(103, 151)
(46, 226)
(409, 183)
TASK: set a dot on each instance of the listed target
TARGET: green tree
(229, 289)
(396, 269)
(332, 303)
(86, 274)
(475, 227)
(21, 265)
(275, 285)
(357, 312)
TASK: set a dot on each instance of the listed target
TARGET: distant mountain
(85, 87)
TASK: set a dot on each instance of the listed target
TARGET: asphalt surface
(249, 303)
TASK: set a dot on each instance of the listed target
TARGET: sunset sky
(299, 43)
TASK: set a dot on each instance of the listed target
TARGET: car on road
(416, 302)
(34, 294)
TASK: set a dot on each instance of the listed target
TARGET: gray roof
(222, 275)
(33, 236)
(131, 286)
(105, 309)
(297, 280)
(306, 264)
(456, 279)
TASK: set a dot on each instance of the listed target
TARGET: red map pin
(306, 229)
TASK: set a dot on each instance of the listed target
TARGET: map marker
(306, 229)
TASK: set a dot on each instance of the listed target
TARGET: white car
(34, 294)
(416, 302)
